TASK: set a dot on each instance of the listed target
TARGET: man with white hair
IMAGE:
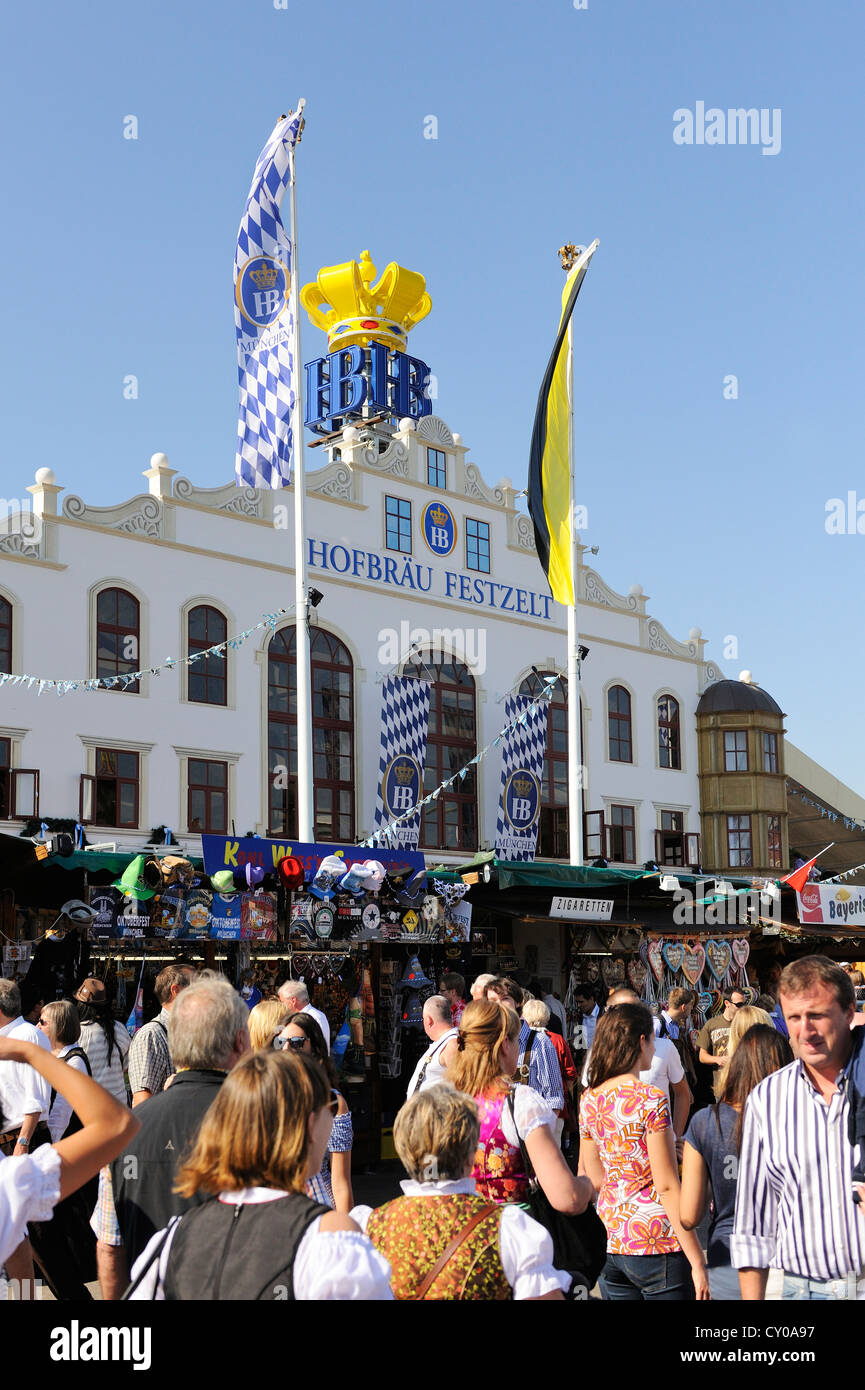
(438, 1026)
(480, 984)
(295, 996)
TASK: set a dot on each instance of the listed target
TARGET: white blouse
(530, 1111)
(29, 1191)
(525, 1247)
(329, 1265)
(61, 1111)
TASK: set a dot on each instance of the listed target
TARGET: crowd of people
(209, 1156)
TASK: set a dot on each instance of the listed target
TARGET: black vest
(223, 1251)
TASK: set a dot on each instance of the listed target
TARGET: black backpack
(74, 1123)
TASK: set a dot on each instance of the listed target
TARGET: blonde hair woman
(261, 1140)
(441, 1239)
(485, 1061)
(746, 1017)
(266, 1020)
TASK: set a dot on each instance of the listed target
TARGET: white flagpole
(575, 751)
(305, 816)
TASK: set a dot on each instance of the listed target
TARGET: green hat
(131, 881)
(223, 881)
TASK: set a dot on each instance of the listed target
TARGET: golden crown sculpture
(403, 772)
(439, 515)
(522, 785)
(343, 301)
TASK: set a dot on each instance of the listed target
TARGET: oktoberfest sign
(522, 770)
(404, 721)
(831, 905)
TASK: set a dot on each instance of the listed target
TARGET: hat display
(355, 880)
(223, 881)
(376, 875)
(175, 869)
(329, 872)
(91, 991)
(136, 881)
(291, 874)
(78, 912)
(413, 976)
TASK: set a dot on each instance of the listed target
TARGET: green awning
(541, 873)
(95, 861)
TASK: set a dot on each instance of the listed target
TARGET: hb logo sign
(522, 800)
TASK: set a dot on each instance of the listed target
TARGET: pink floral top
(617, 1119)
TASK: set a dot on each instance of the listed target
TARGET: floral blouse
(617, 1120)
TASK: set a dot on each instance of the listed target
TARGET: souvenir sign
(484, 941)
(197, 913)
(458, 923)
(225, 916)
(371, 916)
(133, 918)
(300, 930)
(258, 916)
(323, 920)
(108, 902)
(167, 911)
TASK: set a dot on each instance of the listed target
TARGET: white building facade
(88, 590)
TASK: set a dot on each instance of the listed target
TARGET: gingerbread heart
(693, 961)
(741, 951)
(637, 973)
(644, 952)
(704, 1001)
(656, 958)
(613, 972)
(719, 955)
(673, 954)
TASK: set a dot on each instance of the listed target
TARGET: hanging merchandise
(693, 962)
(167, 913)
(613, 972)
(673, 952)
(741, 952)
(225, 916)
(197, 911)
(638, 975)
(289, 870)
(223, 881)
(719, 955)
(258, 916)
(108, 902)
(655, 957)
(328, 874)
(412, 983)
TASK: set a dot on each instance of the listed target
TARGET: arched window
(553, 840)
(5, 635)
(451, 821)
(208, 677)
(332, 736)
(118, 636)
(669, 745)
(619, 718)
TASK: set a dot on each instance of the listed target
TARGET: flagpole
(305, 817)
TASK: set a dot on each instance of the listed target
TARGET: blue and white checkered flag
(404, 723)
(263, 264)
(522, 777)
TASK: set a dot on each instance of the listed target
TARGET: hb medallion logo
(400, 788)
(522, 800)
(262, 291)
(439, 528)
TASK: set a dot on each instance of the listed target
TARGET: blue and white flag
(263, 265)
(404, 723)
(522, 774)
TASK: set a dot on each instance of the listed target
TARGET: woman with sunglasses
(263, 1239)
(332, 1185)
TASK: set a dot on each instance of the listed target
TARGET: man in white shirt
(435, 1061)
(295, 996)
(588, 1013)
(25, 1097)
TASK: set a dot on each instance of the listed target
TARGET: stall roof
(541, 873)
(97, 861)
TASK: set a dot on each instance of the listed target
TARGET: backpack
(74, 1124)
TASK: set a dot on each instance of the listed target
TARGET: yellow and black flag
(549, 463)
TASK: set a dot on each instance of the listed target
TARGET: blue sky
(554, 124)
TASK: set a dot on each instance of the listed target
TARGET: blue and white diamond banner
(404, 724)
(522, 774)
(263, 265)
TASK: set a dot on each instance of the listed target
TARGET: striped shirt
(545, 1074)
(794, 1196)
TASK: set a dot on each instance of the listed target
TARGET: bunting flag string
(848, 873)
(544, 694)
(848, 821)
(89, 683)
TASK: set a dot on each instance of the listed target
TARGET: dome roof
(726, 696)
